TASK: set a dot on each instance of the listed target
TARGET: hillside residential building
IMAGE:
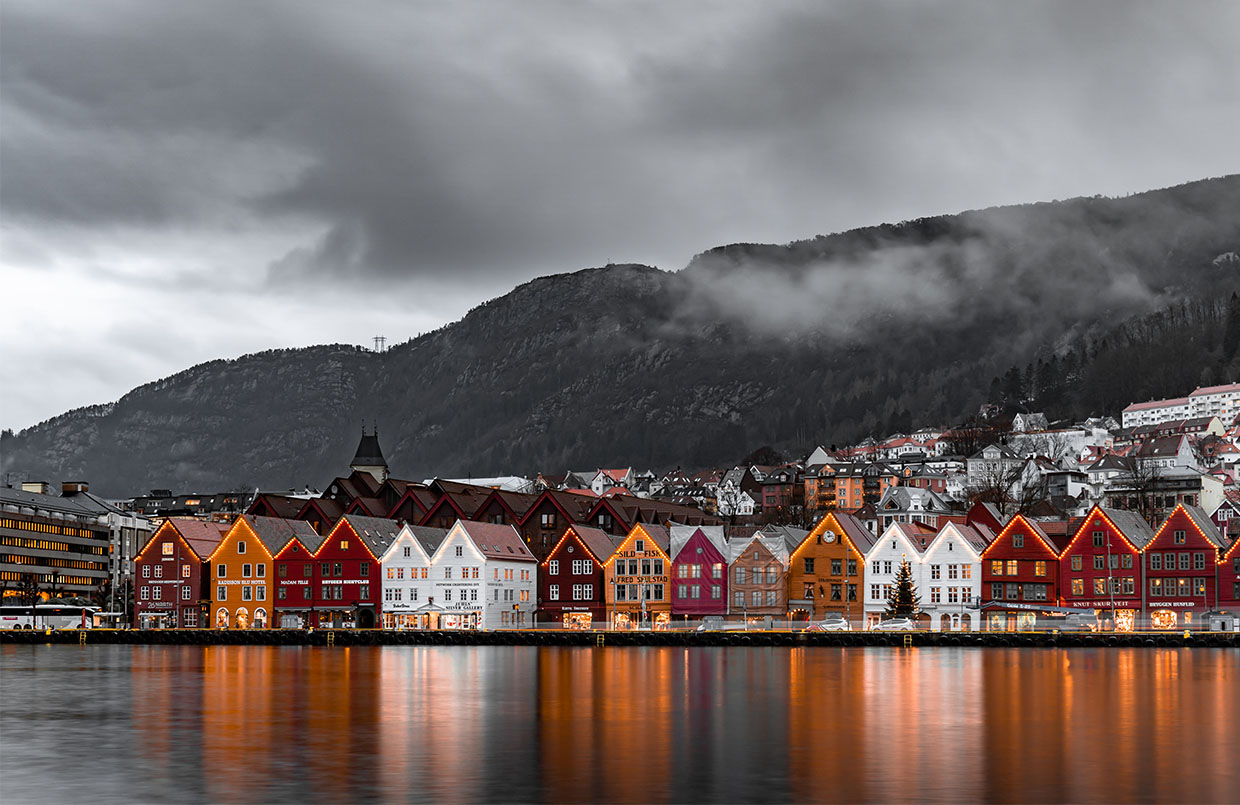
(906, 504)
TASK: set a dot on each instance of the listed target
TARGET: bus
(47, 616)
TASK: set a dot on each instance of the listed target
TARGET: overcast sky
(186, 181)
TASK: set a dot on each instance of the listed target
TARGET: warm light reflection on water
(246, 724)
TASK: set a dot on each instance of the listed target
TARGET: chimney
(37, 487)
(68, 488)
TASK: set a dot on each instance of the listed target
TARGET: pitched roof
(276, 533)
(283, 505)
(1203, 521)
(681, 534)
(497, 541)
(429, 538)
(656, 532)
(377, 532)
(1144, 406)
(1215, 389)
(1131, 524)
(919, 535)
(597, 541)
(201, 535)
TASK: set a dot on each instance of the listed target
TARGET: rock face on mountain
(823, 340)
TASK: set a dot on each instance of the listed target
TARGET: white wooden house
(952, 576)
(406, 571)
(899, 542)
(483, 576)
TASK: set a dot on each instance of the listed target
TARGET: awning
(1035, 607)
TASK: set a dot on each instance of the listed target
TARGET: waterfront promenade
(671, 638)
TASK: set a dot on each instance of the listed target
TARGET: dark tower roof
(368, 452)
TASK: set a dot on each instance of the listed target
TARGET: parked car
(894, 625)
(831, 623)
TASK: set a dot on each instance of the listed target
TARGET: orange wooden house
(827, 569)
(243, 570)
(636, 579)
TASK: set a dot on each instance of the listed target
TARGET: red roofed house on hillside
(1020, 573)
(172, 574)
(570, 580)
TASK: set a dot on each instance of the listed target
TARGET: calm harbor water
(468, 724)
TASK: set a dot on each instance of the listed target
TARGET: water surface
(518, 723)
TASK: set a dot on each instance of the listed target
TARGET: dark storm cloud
(513, 139)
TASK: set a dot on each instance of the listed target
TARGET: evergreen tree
(1231, 328)
(903, 601)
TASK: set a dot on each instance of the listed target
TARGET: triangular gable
(642, 531)
(901, 536)
(1087, 525)
(550, 495)
(607, 503)
(458, 532)
(445, 499)
(334, 534)
(943, 536)
(1200, 523)
(830, 522)
(593, 541)
(405, 537)
(1028, 526)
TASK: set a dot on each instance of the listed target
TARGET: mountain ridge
(819, 340)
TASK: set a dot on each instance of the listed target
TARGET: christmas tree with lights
(903, 601)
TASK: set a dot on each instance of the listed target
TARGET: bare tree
(1141, 485)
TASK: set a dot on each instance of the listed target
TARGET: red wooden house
(548, 516)
(1229, 579)
(1181, 569)
(413, 506)
(1020, 574)
(347, 591)
(172, 574)
(1102, 567)
(571, 581)
(699, 571)
(321, 514)
(296, 582)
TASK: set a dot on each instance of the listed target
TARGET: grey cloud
(508, 140)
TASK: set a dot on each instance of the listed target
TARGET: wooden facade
(1181, 569)
(636, 579)
(1020, 574)
(1102, 567)
(827, 570)
(699, 571)
(172, 576)
(571, 579)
